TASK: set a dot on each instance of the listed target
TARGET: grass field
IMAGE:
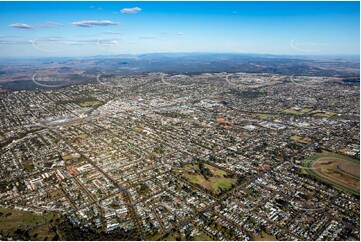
(334, 155)
(215, 171)
(42, 232)
(340, 171)
(157, 236)
(267, 115)
(70, 156)
(297, 112)
(265, 237)
(38, 226)
(81, 136)
(325, 114)
(172, 237)
(345, 150)
(138, 129)
(169, 238)
(202, 237)
(198, 179)
(55, 194)
(67, 157)
(299, 139)
(90, 104)
(220, 183)
(214, 184)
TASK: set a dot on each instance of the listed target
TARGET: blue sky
(108, 28)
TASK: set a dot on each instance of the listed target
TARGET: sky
(46, 29)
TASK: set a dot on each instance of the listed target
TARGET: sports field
(341, 171)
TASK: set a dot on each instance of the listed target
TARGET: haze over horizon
(65, 29)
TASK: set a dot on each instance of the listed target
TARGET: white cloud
(55, 38)
(108, 42)
(15, 42)
(112, 32)
(50, 25)
(180, 33)
(130, 10)
(21, 26)
(146, 37)
(90, 23)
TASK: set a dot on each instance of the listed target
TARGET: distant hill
(14, 72)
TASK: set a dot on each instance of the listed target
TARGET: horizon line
(190, 53)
